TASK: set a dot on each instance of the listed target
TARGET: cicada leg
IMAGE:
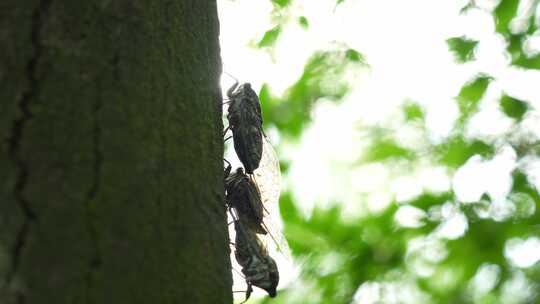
(226, 129)
(248, 292)
(228, 169)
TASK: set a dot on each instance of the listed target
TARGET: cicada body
(258, 267)
(245, 121)
(244, 197)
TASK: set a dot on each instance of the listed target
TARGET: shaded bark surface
(111, 177)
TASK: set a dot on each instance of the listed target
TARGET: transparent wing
(268, 176)
(268, 180)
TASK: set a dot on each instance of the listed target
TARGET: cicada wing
(268, 176)
(275, 232)
(268, 180)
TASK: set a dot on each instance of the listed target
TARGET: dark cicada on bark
(252, 192)
(245, 121)
(258, 267)
(243, 196)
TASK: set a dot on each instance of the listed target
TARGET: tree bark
(111, 172)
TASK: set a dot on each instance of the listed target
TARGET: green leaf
(519, 58)
(268, 104)
(386, 148)
(504, 13)
(462, 48)
(471, 93)
(270, 37)
(467, 7)
(413, 111)
(303, 21)
(483, 243)
(522, 184)
(426, 200)
(281, 3)
(265, 96)
(323, 77)
(513, 107)
(528, 62)
(531, 28)
(354, 55)
(514, 47)
(288, 209)
(457, 150)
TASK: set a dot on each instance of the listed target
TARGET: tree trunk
(111, 172)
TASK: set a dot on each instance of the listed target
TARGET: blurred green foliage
(513, 107)
(413, 111)
(323, 77)
(528, 62)
(470, 95)
(338, 256)
(504, 13)
(463, 48)
(281, 3)
(270, 37)
(384, 147)
(302, 20)
(338, 2)
(457, 149)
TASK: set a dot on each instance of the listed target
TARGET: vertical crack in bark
(17, 132)
(95, 260)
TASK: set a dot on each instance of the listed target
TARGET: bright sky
(404, 43)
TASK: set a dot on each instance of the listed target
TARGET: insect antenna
(234, 86)
(228, 74)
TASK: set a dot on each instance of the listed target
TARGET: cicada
(252, 193)
(255, 198)
(258, 267)
(245, 122)
(243, 195)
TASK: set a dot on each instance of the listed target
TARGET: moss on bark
(111, 172)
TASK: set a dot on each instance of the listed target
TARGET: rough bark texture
(111, 177)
